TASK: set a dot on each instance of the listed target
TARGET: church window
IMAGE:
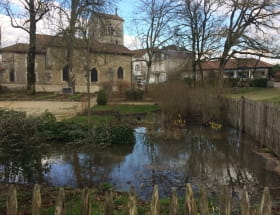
(109, 30)
(65, 73)
(120, 73)
(94, 75)
(12, 75)
(137, 67)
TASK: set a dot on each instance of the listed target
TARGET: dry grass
(178, 98)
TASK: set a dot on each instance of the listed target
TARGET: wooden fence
(192, 206)
(260, 120)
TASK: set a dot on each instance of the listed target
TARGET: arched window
(93, 75)
(120, 73)
(65, 73)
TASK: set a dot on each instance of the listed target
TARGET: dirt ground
(61, 109)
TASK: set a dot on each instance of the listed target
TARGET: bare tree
(198, 27)
(153, 24)
(25, 16)
(77, 11)
(241, 18)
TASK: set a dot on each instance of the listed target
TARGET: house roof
(44, 41)
(241, 63)
(109, 16)
(138, 53)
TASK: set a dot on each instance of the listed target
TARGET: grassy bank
(258, 94)
(114, 114)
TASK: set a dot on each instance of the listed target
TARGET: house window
(65, 73)
(137, 68)
(120, 73)
(93, 75)
(12, 75)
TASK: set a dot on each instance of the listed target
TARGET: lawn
(258, 94)
(113, 114)
(125, 109)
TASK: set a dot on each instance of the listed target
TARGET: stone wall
(49, 68)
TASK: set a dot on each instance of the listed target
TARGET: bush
(232, 82)
(122, 135)
(259, 82)
(134, 94)
(122, 86)
(101, 97)
(19, 131)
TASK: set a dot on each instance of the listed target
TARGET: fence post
(155, 202)
(36, 200)
(12, 206)
(242, 110)
(204, 210)
(86, 206)
(173, 207)
(59, 205)
(245, 204)
(266, 204)
(108, 202)
(190, 205)
(225, 201)
(132, 208)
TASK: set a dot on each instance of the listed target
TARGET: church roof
(44, 41)
(21, 48)
(109, 16)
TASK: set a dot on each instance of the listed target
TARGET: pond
(197, 156)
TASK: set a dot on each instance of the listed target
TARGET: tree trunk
(149, 65)
(31, 79)
(70, 45)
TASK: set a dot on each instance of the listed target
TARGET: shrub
(232, 82)
(259, 82)
(101, 97)
(22, 147)
(122, 86)
(134, 94)
(17, 129)
(122, 135)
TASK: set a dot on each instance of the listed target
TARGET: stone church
(109, 60)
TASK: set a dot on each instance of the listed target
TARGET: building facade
(168, 63)
(108, 61)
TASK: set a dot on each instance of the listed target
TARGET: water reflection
(196, 156)
(22, 163)
(200, 156)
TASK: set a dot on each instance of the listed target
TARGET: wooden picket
(190, 206)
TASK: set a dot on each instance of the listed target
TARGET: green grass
(126, 109)
(103, 119)
(258, 94)
(96, 119)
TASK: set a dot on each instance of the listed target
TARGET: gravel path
(61, 110)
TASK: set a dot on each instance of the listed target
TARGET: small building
(109, 60)
(238, 68)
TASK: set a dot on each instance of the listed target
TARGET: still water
(196, 156)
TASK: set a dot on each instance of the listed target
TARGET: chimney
(116, 11)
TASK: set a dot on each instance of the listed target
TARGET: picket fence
(192, 206)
